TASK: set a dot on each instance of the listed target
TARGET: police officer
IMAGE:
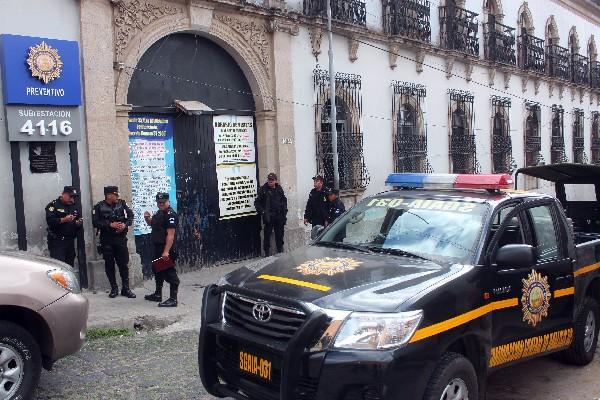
(63, 224)
(164, 224)
(271, 203)
(112, 217)
(315, 212)
(335, 206)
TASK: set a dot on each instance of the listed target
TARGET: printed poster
(237, 190)
(152, 160)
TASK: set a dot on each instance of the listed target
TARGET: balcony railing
(558, 62)
(595, 74)
(408, 19)
(580, 69)
(459, 29)
(500, 43)
(531, 53)
(346, 11)
(595, 143)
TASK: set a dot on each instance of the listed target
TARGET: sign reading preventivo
(40, 71)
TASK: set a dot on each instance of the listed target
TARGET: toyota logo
(262, 312)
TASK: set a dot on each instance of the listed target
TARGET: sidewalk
(122, 312)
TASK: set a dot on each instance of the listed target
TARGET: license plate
(255, 365)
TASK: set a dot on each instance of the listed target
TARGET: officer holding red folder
(164, 224)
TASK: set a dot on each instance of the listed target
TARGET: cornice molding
(583, 8)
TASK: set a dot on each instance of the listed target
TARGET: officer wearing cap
(164, 224)
(271, 203)
(63, 223)
(112, 217)
(335, 207)
(315, 212)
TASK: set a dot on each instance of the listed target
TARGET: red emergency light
(450, 181)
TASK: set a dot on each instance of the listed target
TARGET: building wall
(57, 19)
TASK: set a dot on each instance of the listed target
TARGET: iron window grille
(408, 19)
(595, 137)
(531, 53)
(463, 150)
(458, 29)
(502, 160)
(578, 140)
(557, 144)
(499, 43)
(410, 136)
(595, 74)
(347, 11)
(351, 164)
(580, 69)
(558, 62)
(533, 140)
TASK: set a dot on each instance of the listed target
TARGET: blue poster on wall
(152, 160)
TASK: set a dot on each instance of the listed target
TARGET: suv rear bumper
(325, 375)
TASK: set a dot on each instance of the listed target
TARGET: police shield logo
(328, 266)
(44, 62)
(535, 300)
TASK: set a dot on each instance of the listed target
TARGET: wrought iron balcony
(580, 69)
(533, 144)
(558, 62)
(531, 53)
(595, 74)
(408, 19)
(346, 11)
(578, 150)
(595, 143)
(459, 29)
(500, 43)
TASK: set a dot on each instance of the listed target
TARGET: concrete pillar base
(99, 281)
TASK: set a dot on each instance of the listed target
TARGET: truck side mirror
(513, 256)
(316, 231)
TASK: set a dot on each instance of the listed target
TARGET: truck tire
(454, 378)
(585, 335)
(20, 362)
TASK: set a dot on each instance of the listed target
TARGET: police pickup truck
(415, 293)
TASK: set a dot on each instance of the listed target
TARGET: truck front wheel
(585, 335)
(454, 378)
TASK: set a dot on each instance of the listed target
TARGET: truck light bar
(450, 181)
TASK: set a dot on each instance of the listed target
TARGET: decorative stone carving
(394, 50)
(573, 93)
(419, 59)
(449, 67)
(561, 91)
(536, 86)
(524, 82)
(492, 76)
(316, 36)
(507, 76)
(132, 16)
(550, 89)
(581, 94)
(284, 25)
(591, 98)
(256, 35)
(275, 4)
(468, 72)
(353, 48)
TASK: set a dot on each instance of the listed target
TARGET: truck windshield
(437, 230)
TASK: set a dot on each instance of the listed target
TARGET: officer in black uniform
(63, 223)
(271, 203)
(112, 217)
(164, 225)
(335, 207)
(315, 212)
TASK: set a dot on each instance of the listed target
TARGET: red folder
(162, 264)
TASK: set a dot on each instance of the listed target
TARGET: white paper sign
(237, 190)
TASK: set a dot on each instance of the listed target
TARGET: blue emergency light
(450, 181)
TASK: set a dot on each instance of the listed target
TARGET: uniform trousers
(63, 250)
(277, 225)
(169, 275)
(116, 251)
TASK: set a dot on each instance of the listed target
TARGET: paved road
(163, 366)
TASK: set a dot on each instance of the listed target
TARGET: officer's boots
(156, 296)
(172, 300)
(126, 291)
(114, 291)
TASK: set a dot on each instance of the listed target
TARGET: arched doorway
(193, 70)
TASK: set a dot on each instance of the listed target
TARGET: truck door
(531, 300)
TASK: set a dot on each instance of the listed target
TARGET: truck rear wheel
(585, 335)
(454, 378)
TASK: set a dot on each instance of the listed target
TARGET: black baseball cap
(111, 190)
(318, 178)
(272, 177)
(160, 197)
(71, 190)
(333, 191)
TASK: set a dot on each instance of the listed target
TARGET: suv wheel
(454, 378)
(20, 362)
(585, 335)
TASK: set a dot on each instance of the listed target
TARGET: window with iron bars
(531, 53)
(351, 164)
(458, 29)
(557, 144)
(502, 160)
(595, 74)
(347, 11)
(463, 151)
(410, 130)
(407, 19)
(533, 140)
(499, 43)
(595, 137)
(578, 140)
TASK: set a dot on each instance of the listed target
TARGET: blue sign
(40, 71)
(152, 160)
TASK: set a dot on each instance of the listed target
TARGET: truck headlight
(377, 331)
(65, 279)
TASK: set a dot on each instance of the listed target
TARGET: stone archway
(525, 20)
(552, 35)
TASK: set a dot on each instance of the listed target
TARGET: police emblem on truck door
(535, 300)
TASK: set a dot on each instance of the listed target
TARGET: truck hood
(343, 279)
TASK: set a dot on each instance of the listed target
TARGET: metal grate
(580, 69)
(499, 43)
(533, 140)
(557, 144)
(347, 11)
(595, 74)
(558, 62)
(502, 159)
(408, 19)
(458, 29)
(579, 155)
(463, 151)
(595, 137)
(531, 53)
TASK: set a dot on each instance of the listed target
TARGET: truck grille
(282, 324)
